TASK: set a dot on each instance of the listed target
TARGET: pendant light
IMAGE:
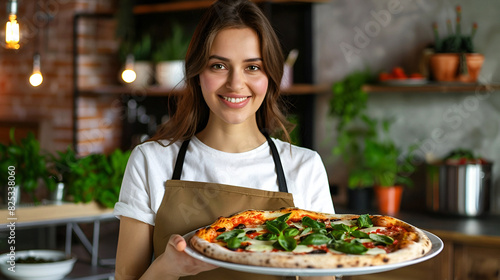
(12, 34)
(36, 77)
(128, 74)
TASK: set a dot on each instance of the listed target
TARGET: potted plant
(347, 105)
(60, 166)
(29, 163)
(169, 58)
(386, 162)
(455, 57)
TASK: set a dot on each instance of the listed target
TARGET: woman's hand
(175, 263)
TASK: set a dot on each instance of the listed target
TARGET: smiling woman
(218, 142)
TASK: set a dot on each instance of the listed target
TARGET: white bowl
(36, 271)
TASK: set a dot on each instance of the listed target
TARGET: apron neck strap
(277, 163)
(274, 152)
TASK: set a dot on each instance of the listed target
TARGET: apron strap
(180, 161)
(274, 152)
(277, 163)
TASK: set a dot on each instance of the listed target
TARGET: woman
(214, 157)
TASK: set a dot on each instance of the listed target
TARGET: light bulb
(12, 34)
(36, 77)
(128, 74)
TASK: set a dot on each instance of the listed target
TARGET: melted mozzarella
(375, 251)
(371, 229)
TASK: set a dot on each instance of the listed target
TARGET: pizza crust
(413, 245)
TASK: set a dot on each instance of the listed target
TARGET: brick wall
(47, 27)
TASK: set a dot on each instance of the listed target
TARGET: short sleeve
(134, 200)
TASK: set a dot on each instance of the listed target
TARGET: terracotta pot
(389, 199)
(444, 66)
(474, 64)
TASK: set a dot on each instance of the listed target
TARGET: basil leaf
(320, 230)
(283, 218)
(267, 237)
(230, 234)
(338, 234)
(234, 243)
(288, 243)
(364, 221)
(315, 239)
(350, 248)
(282, 226)
(307, 221)
(341, 227)
(359, 234)
(272, 227)
(291, 232)
(386, 240)
(306, 230)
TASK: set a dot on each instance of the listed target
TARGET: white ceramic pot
(144, 71)
(170, 74)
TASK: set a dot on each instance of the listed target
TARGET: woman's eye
(253, 68)
(218, 66)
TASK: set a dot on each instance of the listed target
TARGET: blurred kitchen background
(81, 49)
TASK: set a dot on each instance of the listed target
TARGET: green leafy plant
(29, 162)
(347, 105)
(173, 47)
(60, 165)
(98, 177)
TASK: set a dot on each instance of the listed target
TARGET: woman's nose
(236, 80)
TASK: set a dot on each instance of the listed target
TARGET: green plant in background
(98, 177)
(142, 50)
(384, 159)
(61, 165)
(347, 105)
(174, 47)
(454, 42)
(29, 162)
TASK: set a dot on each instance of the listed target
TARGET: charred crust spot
(221, 229)
(340, 265)
(423, 251)
(268, 261)
(386, 260)
(204, 250)
(317, 251)
(309, 266)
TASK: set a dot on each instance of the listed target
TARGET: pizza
(296, 238)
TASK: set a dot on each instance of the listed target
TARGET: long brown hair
(191, 113)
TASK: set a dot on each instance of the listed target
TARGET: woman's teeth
(235, 100)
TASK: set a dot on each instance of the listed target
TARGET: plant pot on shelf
(474, 64)
(389, 199)
(170, 74)
(445, 67)
(144, 72)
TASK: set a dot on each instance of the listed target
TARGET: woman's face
(234, 82)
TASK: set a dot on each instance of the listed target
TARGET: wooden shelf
(201, 4)
(431, 87)
(297, 89)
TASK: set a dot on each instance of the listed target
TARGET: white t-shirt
(150, 165)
